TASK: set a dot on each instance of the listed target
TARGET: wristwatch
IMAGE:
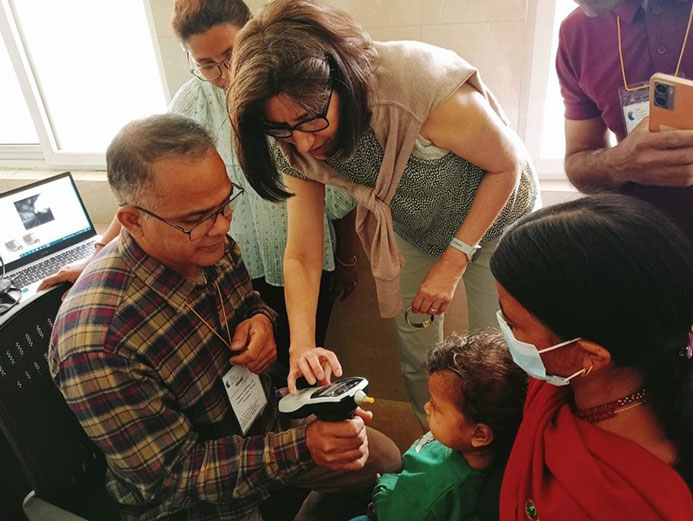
(472, 252)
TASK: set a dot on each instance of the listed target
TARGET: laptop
(45, 226)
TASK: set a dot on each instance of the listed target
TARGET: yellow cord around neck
(620, 53)
(226, 321)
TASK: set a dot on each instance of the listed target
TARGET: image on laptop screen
(40, 217)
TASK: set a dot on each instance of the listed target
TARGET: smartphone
(671, 103)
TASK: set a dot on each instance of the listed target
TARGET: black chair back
(61, 463)
(13, 484)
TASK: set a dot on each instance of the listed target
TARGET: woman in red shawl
(597, 306)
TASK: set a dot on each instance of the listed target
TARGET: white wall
(490, 34)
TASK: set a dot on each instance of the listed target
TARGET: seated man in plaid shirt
(146, 334)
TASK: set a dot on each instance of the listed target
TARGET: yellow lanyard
(226, 321)
(620, 53)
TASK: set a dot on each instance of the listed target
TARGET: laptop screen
(40, 219)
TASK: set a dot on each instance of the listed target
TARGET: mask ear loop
(587, 372)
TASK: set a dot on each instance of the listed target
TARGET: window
(85, 69)
(542, 118)
(16, 127)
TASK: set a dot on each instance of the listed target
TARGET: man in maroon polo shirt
(656, 167)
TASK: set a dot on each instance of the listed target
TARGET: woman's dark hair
(613, 270)
(491, 388)
(196, 16)
(283, 50)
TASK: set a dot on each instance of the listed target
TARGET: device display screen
(337, 388)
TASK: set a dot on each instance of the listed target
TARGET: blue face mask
(527, 355)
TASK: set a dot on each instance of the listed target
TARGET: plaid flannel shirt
(143, 376)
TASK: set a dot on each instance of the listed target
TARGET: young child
(474, 411)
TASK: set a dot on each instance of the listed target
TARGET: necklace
(609, 410)
(226, 342)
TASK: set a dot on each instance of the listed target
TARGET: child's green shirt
(436, 484)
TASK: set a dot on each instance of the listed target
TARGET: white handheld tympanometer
(334, 402)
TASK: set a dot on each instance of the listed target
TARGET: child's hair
(491, 387)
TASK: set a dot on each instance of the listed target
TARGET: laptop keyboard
(51, 265)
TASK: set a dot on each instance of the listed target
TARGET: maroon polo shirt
(589, 73)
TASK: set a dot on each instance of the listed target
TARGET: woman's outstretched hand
(315, 364)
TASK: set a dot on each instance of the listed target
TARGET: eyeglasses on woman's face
(209, 71)
(310, 125)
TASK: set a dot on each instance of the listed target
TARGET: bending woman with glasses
(597, 307)
(208, 29)
(412, 133)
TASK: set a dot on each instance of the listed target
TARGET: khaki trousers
(482, 304)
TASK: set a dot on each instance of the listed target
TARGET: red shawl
(569, 469)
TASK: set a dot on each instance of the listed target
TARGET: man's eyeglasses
(204, 225)
(208, 71)
(314, 124)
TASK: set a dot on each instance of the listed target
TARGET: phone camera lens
(660, 101)
(661, 88)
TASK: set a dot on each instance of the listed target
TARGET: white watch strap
(469, 250)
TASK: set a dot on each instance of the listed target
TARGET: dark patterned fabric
(433, 196)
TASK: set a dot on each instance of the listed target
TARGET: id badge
(246, 395)
(635, 105)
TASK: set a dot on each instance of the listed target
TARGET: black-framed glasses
(208, 71)
(313, 124)
(204, 225)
